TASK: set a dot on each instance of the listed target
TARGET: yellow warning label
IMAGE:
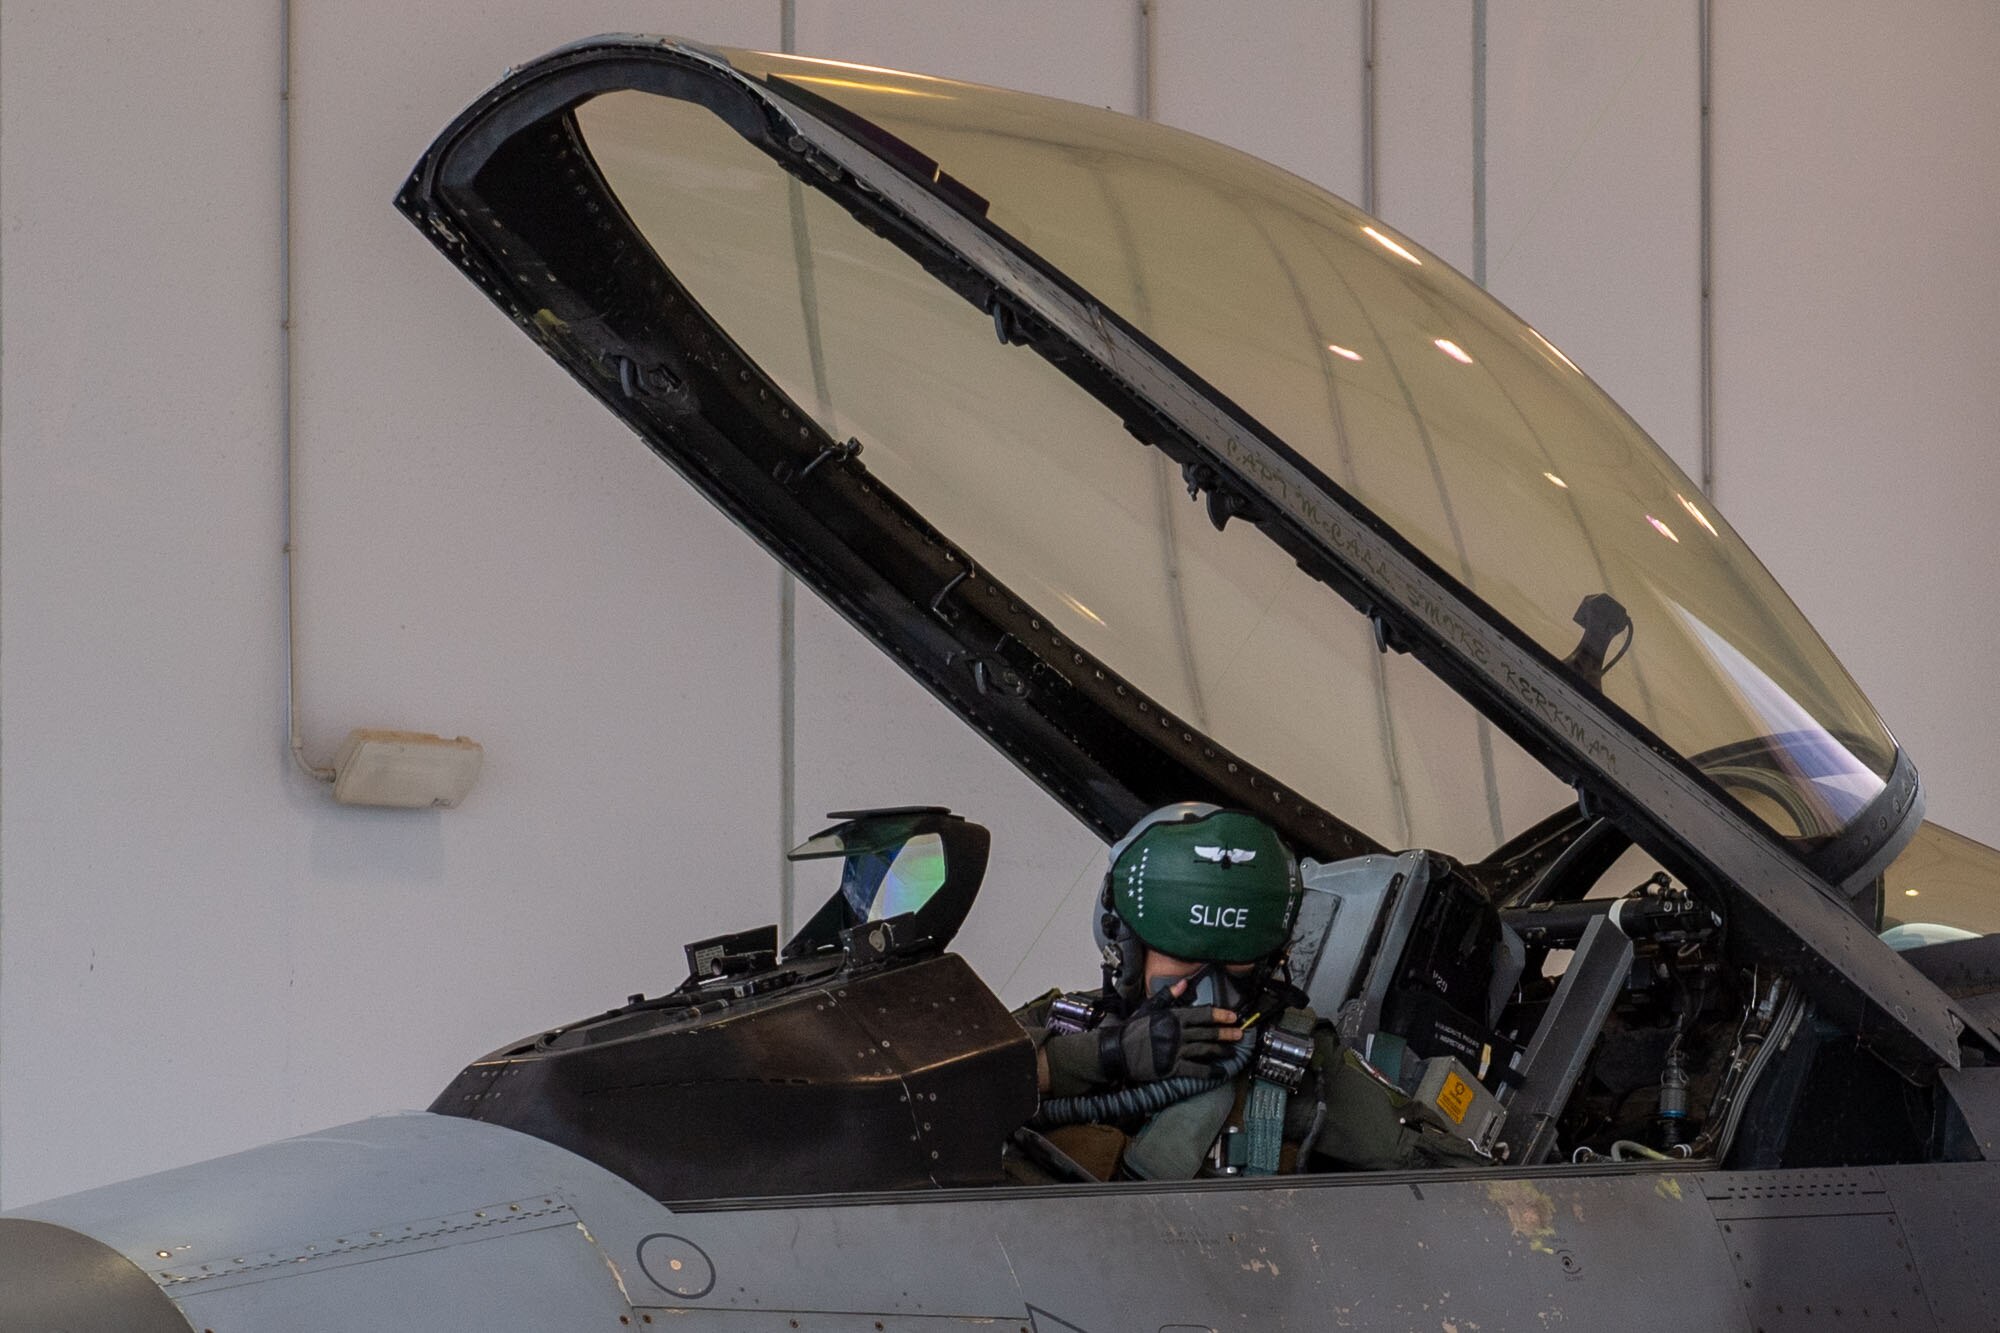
(1455, 1099)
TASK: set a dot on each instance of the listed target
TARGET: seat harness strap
(1284, 1052)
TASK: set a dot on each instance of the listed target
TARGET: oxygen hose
(1142, 1099)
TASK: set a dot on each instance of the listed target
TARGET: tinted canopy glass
(1402, 383)
(1045, 491)
(1944, 878)
(990, 517)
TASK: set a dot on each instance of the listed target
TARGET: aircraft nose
(54, 1280)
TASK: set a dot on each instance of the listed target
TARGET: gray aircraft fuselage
(444, 1224)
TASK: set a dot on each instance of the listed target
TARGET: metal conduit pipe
(295, 741)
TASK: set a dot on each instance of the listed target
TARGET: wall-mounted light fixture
(406, 769)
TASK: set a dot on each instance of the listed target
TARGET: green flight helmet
(1207, 885)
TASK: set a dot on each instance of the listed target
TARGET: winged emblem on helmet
(1226, 856)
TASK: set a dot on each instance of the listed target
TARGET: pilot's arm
(1151, 1045)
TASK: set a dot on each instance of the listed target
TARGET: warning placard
(1455, 1098)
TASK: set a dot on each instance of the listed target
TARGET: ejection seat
(1417, 967)
(1414, 966)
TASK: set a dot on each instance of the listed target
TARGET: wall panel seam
(1705, 37)
(3, 652)
(1479, 142)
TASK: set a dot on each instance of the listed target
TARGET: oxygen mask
(1212, 985)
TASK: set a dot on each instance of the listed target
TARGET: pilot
(1198, 1056)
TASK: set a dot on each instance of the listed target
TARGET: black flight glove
(1152, 1045)
(1167, 1043)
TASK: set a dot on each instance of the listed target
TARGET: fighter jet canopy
(1094, 425)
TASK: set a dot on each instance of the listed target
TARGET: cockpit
(862, 1056)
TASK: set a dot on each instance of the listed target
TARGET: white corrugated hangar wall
(199, 950)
